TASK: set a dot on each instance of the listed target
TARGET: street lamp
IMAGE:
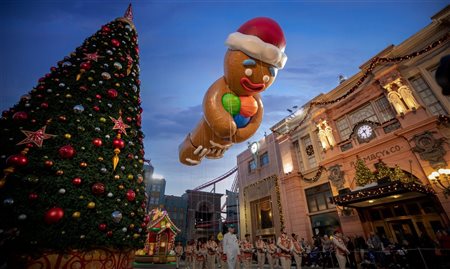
(435, 178)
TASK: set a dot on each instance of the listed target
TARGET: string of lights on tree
(380, 191)
(373, 63)
(273, 178)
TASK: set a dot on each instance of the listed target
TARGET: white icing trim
(254, 47)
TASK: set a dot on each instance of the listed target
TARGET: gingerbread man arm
(245, 133)
(215, 114)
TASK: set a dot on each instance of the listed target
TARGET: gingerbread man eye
(248, 72)
(266, 78)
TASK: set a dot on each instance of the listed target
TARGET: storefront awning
(380, 194)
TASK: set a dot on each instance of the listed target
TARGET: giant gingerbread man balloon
(232, 107)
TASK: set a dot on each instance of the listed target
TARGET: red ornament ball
(85, 65)
(106, 29)
(131, 195)
(48, 163)
(62, 118)
(83, 88)
(20, 116)
(98, 96)
(118, 143)
(44, 105)
(98, 188)
(115, 42)
(66, 152)
(32, 196)
(96, 108)
(17, 160)
(77, 181)
(97, 142)
(54, 215)
(112, 93)
(109, 234)
(102, 226)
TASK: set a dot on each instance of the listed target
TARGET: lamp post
(436, 178)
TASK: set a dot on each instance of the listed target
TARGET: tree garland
(315, 178)
(373, 63)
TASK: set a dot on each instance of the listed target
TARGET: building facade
(203, 214)
(176, 207)
(365, 156)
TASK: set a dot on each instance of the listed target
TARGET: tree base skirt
(94, 259)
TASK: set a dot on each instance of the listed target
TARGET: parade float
(160, 241)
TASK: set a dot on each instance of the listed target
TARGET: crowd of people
(334, 251)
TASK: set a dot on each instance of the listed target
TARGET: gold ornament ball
(59, 172)
(116, 177)
(121, 187)
(100, 159)
(91, 205)
(68, 95)
(132, 214)
(130, 176)
(83, 164)
(117, 84)
(131, 226)
(67, 136)
(90, 78)
(76, 215)
(81, 197)
(136, 236)
(2, 182)
(102, 120)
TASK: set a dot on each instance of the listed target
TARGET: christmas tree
(383, 172)
(363, 175)
(72, 151)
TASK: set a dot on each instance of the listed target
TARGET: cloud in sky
(182, 49)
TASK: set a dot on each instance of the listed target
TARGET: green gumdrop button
(231, 103)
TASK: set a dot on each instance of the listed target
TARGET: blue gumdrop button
(241, 121)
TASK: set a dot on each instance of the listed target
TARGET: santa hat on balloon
(260, 38)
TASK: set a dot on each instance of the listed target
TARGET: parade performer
(231, 247)
(297, 251)
(261, 252)
(341, 249)
(211, 245)
(285, 245)
(272, 254)
(190, 254)
(247, 252)
(178, 253)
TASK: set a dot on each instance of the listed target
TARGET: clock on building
(254, 147)
(365, 132)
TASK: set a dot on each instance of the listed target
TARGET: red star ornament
(36, 137)
(119, 125)
(92, 56)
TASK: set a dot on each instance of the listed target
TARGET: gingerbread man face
(245, 75)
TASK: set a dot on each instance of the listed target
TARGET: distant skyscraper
(155, 188)
(232, 203)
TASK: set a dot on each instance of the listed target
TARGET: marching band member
(190, 254)
(297, 251)
(261, 252)
(285, 245)
(178, 253)
(200, 255)
(211, 245)
(272, 254)
(222, 256)
(247, 252)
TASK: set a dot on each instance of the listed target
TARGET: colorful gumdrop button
(241, 121)
(231, 103)
(249, 107)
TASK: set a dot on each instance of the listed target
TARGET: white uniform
(231, 249)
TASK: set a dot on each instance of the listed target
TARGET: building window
(263, 212)
(428, 97)
(299, 156)
(384, 109)
(311, 157)
(264, 159)
(343, 128)
(318, 198)
(251, 166)
(364, 113)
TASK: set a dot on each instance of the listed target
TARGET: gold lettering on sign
(378, 155)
